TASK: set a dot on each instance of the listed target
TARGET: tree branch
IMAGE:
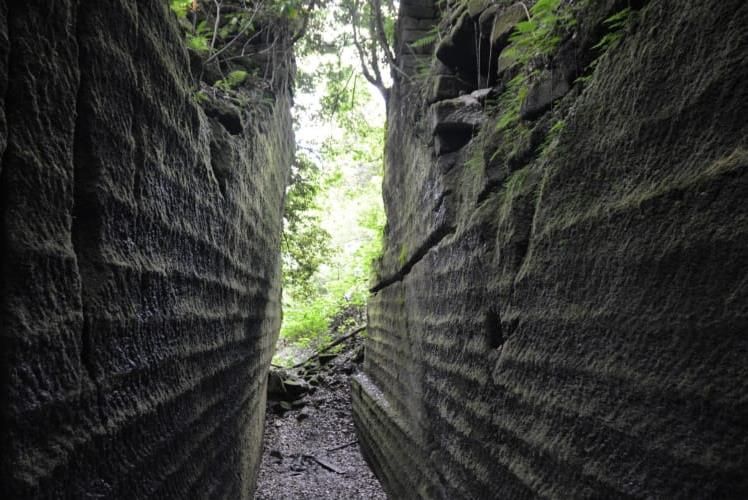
(231, 42)
(329, 346)
(216, 24)
(379, 30)
(375, 79)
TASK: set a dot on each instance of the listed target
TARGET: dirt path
(311, 451)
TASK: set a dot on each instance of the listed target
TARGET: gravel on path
(311, 451)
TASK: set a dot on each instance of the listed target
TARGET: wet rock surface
(311, 450)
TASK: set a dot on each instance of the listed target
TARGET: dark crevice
(226, 116)
(494, 335)
(220, 162)
(433, 240)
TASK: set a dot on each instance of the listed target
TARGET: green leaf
(424, 40)
(202, 28)
(236, 78)
(619, 19)
(198, 43)
(180, 7)
(525, 27)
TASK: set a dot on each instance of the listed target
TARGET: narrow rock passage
(310, 449)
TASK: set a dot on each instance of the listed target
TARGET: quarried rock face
(562, 307)
(139, 244)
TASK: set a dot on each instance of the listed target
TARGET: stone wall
(563, 312)
(139, 244)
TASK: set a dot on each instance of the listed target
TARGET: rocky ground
(311, 450)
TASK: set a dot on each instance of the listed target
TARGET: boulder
(295, 388)
(463, 113)
(476, 7)
(503, 24)
(275, 383)
(457, 48)
(283, 386)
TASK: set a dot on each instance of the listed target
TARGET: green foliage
(552, 136)
(475, 161)
(340, 89)
(180, 7)
(510, 102)
(342, 197)
(228, 33)
(389, 25)
(199, 40)
(306, 245)
(199, 96)
(403, 257)
(615, 25)
(290, 9)
(541, 34)
(514, 184)
(536, 38)
(236, 78)
(302, 325)
(243, 21)
(513, 187)
(232, 80)
(369, 26)
(429, 38)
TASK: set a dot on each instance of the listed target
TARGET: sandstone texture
(139, 244)
(563, 312)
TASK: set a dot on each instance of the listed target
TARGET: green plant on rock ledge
(182, 7)
(516, 182)
(510, 102)
(542, 33)
(615, 24)
(198, 39)
(533, 40)
(552, 136)
(509, 125)
(230, 37)
(514, 186)
(431, 37)
(232, 80)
